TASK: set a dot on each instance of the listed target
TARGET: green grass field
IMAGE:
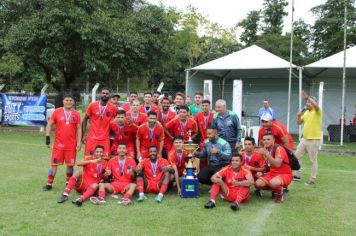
(328, 208)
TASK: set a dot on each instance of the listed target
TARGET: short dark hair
(115, 95)
(167, 99)
(236, 154)
(180, 94)
(99, 146)
(153, 146)
(145, 93)
(105, 88)
(121, 112)
(250, 139)
(121, 143)
(157, 92)
(133, 92)
(268, 133)
(151, 113)
(199, 93)
(211, 126)
(206, 101)
(178, 137)
(184, 107)
(68, 96)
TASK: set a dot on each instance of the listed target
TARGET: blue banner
(24, 110)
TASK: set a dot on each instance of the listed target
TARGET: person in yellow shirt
(311, 118)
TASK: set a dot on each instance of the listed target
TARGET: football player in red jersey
(166, 116)
(121, 168)
(156, 172)
(204, 119)
(182, 124)
(124, 132)
(100, 114)
(133, 97)
(67, 139)
(137, 117)
(86, 182)
(149, 134)
(280, 173)
(148, 105)
(233, 181)
(177, 158)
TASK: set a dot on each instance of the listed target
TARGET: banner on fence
(24, 110)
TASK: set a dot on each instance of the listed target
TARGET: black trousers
(205, 174)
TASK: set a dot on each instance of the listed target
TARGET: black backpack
(293, 160)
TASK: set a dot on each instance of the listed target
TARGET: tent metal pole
(343, 81)
(300, 100)
(290, 68)
(186, 82)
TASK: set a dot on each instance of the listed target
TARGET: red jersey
(149, 108)
(150, 137)
(139, 120)
(178, 160)
(93, 172)
(125, 134)
(100, 118)
(153, 171)
(203, 123)
(284, 168)
(120, 169)
(165, 118)
(255, 160)
(176, 127)
(66, 128)
(229, 175)
(278, 131)
(126, 107)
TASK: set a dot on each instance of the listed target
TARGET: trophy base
(189, 188)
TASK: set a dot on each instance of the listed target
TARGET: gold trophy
(191, 167)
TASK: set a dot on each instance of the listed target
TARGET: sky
(228, 12)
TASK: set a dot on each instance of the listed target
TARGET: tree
(273, 12)
(250, 26)
(328, 30)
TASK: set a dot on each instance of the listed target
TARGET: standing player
(100, 114)
(177, 158)
(133, 97)
(86, 182)
(204, 120)
(178, 102)
(233, 181)
(121, 168)
(135, 115)
(114, 99)
(166, 116)
(155, 96)
(280, 173)
(124, 132)
(182, 124)
(157, 175)
(149, 134)
(67, 139)
(148, 105)
(196, 107)
(278, 130)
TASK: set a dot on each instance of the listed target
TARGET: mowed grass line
(324, 209)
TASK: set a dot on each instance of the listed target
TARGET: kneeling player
(157, 175)
(121, 169)
(233, 181)
(280, 174)
(86, 182)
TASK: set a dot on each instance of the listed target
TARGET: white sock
(160, 194)
(212, 200)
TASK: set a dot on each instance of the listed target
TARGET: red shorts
(119, 187)
(239, 194)
(152, 186)
(286, 179)
(59, 156)
(83, 186)
(92, 143)
(130, 150)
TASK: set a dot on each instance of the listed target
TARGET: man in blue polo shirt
(266, 109)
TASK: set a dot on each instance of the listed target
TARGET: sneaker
(285, 191)
(258, 193)
(273, 194)
(62, 199)
(159, 198)
(296, 178)
(97, 200)
(310, 182)
(210, 204)
(141, 198)
(125, 202)
(234, 206)
(46, 188)
(77, 202)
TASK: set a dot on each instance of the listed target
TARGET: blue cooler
(189, 188)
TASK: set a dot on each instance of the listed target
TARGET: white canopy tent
(264, 76)
(330, 70)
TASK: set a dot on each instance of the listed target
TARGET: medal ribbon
(154, 168)
(120, 132)
(151, 132)
(67, 117)
(98, 169)
(102, 111)
(180, 157)
(183, 126)
(206, 120)
(121, 165)
(164, 117)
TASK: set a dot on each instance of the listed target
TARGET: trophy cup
(190, 183)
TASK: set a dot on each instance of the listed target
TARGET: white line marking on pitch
(14, 142)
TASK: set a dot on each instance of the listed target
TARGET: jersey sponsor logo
(256, 163)
(74, 119)
(126, 133)
(108, 114)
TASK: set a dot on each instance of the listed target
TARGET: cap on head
(266, 117)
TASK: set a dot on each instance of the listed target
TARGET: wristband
(48, 140)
